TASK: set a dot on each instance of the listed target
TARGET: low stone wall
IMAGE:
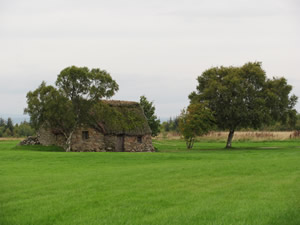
(30, 141)
(131, 144)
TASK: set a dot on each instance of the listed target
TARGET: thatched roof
(118, 103)
(121, 117)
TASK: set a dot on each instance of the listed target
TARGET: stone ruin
(122, 127)
(31, 140)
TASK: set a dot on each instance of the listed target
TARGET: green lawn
(255, 183)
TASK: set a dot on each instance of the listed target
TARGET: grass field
(256, 183)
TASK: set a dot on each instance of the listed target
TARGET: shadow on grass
(38, 148)
(179, 146)
(223, 149)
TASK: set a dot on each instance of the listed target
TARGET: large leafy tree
(149, 111)
(196, 120)
(242, 97)
(68, 105)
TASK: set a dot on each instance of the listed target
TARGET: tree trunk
(229, 139)
(69, 142)
(190, 143)
(193, 141)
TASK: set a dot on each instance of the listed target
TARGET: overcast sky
(154, 48)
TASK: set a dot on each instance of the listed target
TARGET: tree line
(172, 125)
(8, 129)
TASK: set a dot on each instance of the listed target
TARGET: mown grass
(256, 183)
(179, 145)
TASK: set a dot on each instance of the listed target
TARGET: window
(85, 135)
(139, 139)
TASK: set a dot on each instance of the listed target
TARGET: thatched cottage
(122, 127)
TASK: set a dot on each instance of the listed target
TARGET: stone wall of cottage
(94, 142)
(46, 137)
(133, 144)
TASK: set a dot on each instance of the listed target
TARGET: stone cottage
(121, 127)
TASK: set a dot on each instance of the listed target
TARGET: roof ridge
(119, 102)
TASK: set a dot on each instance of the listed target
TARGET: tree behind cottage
(242, 97)
(149, 111)
(67, 106)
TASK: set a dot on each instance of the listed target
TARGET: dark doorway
(120, 143)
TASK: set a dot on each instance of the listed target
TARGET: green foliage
(1, 131)
(48, 107)
(297, 127)
(10, 125)
(171, 124)
(23, 130)
(8, 133)
(2, 122)
(149, 111)
(278, 101)
(7, 129)
(2, 126)
(243, 97)
(197, 120)
(68, 105)
(80, 82)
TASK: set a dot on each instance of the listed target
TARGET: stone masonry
(96, 141)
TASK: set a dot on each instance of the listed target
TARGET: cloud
(156, 48)
(235, 10)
